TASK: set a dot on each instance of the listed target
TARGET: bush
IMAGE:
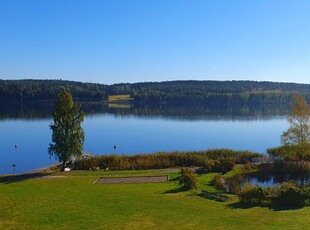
(253, 194)
(188, 179)
(220, 165)
(217, 180)
(287, 194)
(208, 166)
(291, 152)
(248, 167)
(226, 165)
(307, 195)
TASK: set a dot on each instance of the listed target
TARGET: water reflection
(264, 179)
(140, 128)
(170, 111)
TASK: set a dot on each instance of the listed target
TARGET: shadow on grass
(239, 205)
(216, 196)
(175, 179)
(286, 207)
(8, 179)
(176, 190)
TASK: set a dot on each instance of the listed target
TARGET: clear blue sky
(110, 41)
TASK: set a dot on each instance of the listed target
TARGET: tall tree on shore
(298, 133)
(68, 135)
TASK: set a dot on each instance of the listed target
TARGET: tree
(68, 135)
(298, 134)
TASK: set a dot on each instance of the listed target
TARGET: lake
(25, 133)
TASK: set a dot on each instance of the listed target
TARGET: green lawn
(74, 202)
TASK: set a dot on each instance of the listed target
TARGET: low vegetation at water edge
(286, 194)
(216, 160)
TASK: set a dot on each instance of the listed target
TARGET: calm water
(264, 179)
(143, 129)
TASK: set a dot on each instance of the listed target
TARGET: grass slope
(74, 202)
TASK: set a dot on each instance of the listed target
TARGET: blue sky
(111, 41)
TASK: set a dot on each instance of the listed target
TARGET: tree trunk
(63, 165)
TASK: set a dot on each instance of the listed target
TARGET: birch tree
(68, 135)
(298, 133)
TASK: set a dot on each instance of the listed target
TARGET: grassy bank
(74, 202)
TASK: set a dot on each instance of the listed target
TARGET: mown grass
(74, 202)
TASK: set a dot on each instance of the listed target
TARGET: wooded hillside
(32, 90)
(169, 91)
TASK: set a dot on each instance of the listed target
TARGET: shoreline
(42, 169)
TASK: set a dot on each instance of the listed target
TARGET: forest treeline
(212, 92)
(48, 90)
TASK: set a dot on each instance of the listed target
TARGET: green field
(116, 98)
(74, 202)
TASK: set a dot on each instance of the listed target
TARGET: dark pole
(13, 167)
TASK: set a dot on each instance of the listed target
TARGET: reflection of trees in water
(204, 111)
(30, 110)
(41, 110)
(189, 111)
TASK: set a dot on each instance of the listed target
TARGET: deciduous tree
(68, 135)
(298, 133)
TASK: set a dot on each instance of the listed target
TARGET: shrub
(188, 179)
(245, 194)
(289, 194)
(233, 184)
(226, 165)
(307, 195)
(220, 165)
(291, 152)
(208, 166)
(218, 182)
(248, 166)
(252, 194)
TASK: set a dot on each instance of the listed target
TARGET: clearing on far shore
(119, 98)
